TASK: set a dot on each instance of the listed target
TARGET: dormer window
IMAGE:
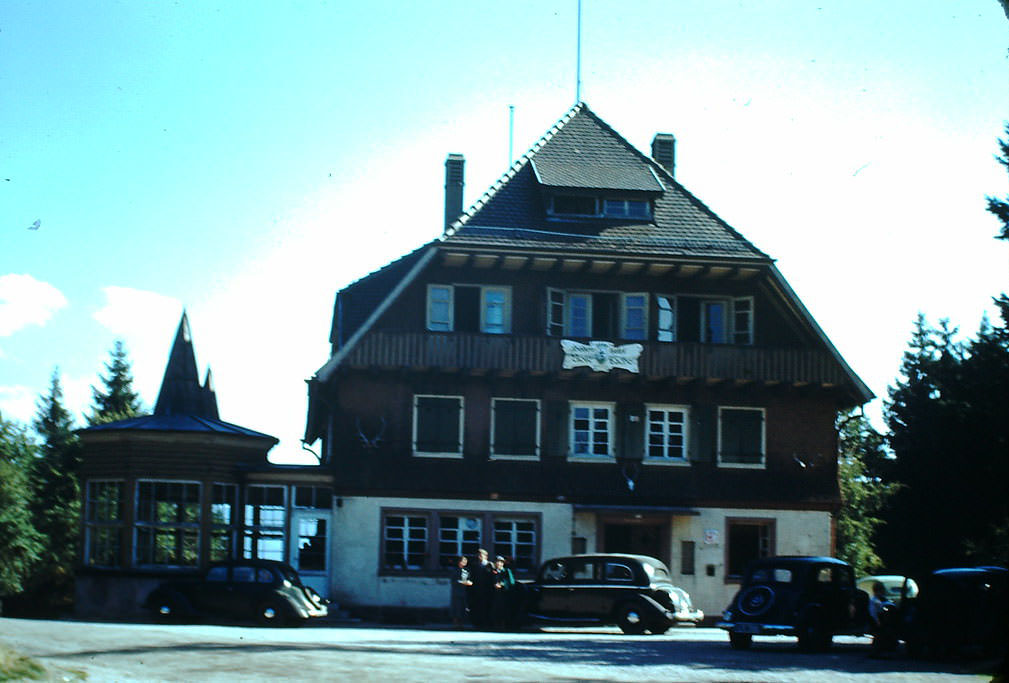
(572, 205)
(627, 208)
(610, 207)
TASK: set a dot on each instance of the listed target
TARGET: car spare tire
(756, 600)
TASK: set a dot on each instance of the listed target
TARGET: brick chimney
(664, 151)
(454, 166)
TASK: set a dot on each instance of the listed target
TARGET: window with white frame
(515, 427)
(591, 430)
(103, 519)
(495, 310)
(457, 535)
(741, 439)
(265, 518)
(665, 323)
(666, 440)
(634, 316)
(599, 315)
(439, 308)
(437, 425)
(417, 541)
(515, 538)
(742, 320)
(167, 529)
(404, 541)
(223, 518)
(469, 308)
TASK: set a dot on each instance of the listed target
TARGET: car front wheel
(630, 620)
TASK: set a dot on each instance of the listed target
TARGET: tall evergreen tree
(1000, 207)
(864, 491)
(20, 543)
(948, 424)
(117, 400)
(56, 501)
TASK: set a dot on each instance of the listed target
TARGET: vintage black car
(958, 611)
(634, 592)
(267, 591)
(813, 598)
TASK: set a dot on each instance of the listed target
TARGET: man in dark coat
(482, 591)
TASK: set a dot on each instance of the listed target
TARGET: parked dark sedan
(267, 591)
(962, 610)
(812, 598)
(634, 592)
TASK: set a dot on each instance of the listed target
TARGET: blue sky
(245, 160)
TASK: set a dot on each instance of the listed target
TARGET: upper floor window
(589, 206)
(599, 315)
(741, 440)
(627, 208)
(665, 319)
(469, 308)
(515, 428)
(667, 433)
(727, 320)
(591, 430)
(572, 205)
(437, 425)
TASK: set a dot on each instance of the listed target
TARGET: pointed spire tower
(181, 392)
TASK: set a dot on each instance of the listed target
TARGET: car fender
(652, 604)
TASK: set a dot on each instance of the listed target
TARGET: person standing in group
(503, 606)
(482, 591)
(461, 584)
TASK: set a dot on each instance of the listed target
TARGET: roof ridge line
(514, 169)
(656, 166)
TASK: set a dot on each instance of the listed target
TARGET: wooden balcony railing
(539, 355)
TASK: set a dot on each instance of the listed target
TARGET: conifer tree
(117, 400)
(56, 500)
(1000, 207)
(20, 543)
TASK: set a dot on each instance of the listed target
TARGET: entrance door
(310, 541)
(635, 539)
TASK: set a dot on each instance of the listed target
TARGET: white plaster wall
(797, 532)
(357, 531)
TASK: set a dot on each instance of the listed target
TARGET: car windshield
(771, 575)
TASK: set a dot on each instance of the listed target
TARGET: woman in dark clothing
(460, 584)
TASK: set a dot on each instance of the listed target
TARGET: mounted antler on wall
(370, 442)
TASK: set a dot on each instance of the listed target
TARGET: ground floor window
(103, 523)
(168, 523)
(516, 539)
(748, 540)
(408, 539)
(265, 517)
(223, 504)
(312, 538)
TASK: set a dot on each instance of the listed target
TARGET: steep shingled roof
(181, 392)
(582, 152)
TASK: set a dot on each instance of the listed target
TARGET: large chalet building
(588, 359)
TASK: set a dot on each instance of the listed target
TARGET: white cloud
(26, 301)
(17, 403)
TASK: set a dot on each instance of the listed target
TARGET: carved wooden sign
(601, 356)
